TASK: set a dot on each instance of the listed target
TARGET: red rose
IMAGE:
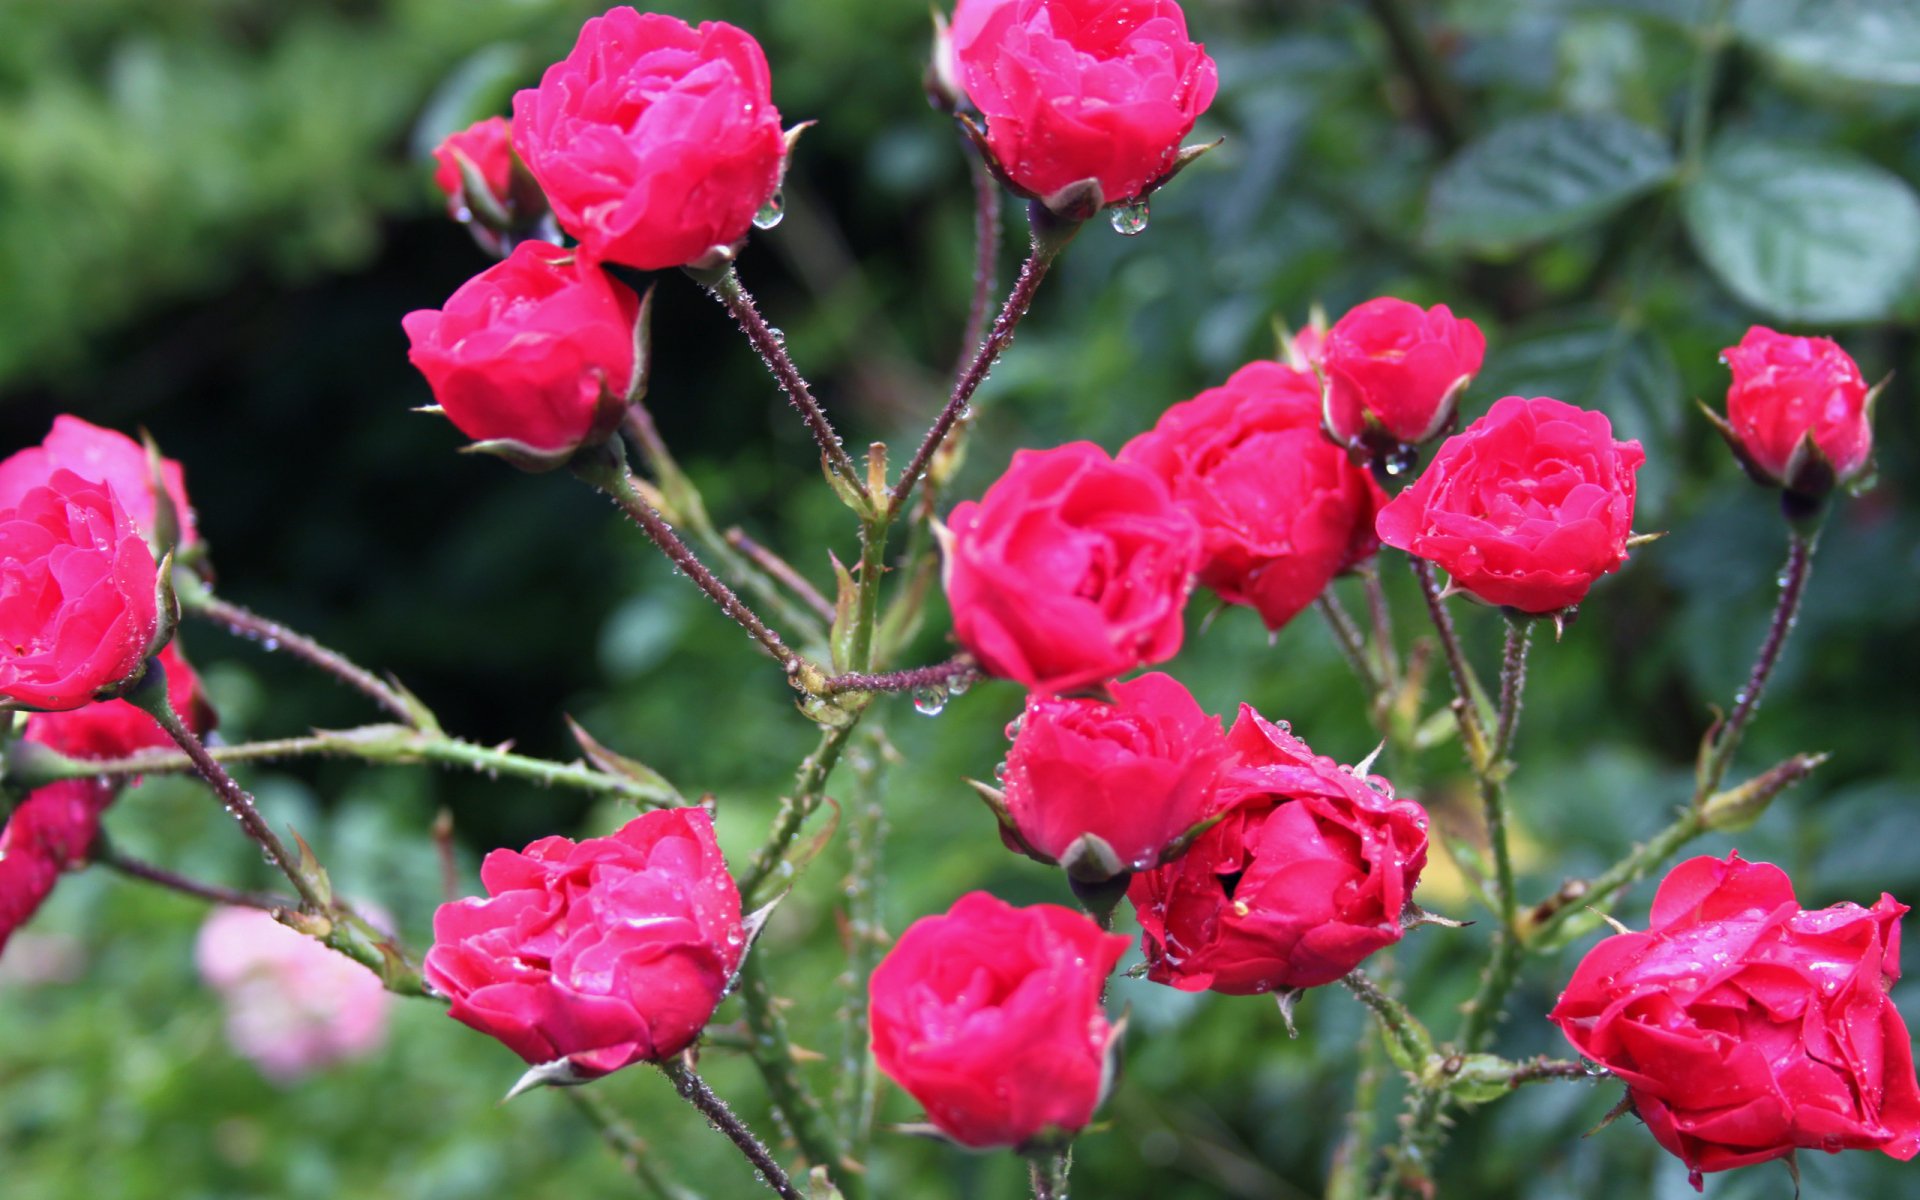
(536, 351)
(1525, 508)
(1281, 510)
(1745, 1026)
(1308, 874)
(78, 606)
(1083, 89)
(1394, 371)
(488, 146)
(990, 1017)
(1072, 569)
(1793, 397)
(102, 456)
(605, 952)
(655, 141)
(1106, 788)
(53, 827)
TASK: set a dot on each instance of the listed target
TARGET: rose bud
(534, 357)
(593, 955)
(482, 152)
(1525, 508)
(293, 1006)
(1310, 871)
(990, 1016)
(654, 141)
(1105, 788)
(79, 607)
(1394, 372)
(1281, 511)
(103, 456)
(1746, 1027)
(1082, 90)
(1070, 570)
(1799, 416)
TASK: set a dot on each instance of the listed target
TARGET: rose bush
(1070, 570)
(990, 1016)
(1281, 511)
(1525, 508)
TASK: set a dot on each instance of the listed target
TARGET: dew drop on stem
(929, 701)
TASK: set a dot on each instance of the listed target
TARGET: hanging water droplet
(779, 336)
(929, 701)
(771, 212)
(958, 685)
(1129, 220)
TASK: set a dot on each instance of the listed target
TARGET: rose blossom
(1308, 874)
(604, 952)
(102, 456)
(1071, 569)
(1525, 508)
(293, 1006)
(1281, 510)
(1082, 89)
(1791, 396)
(78, 607)
(53, 827)
(990, 1016)
(536, 351)
(1394, 371)
(1745, 1026)
(1109, 787)
(488, 146)
(655, 141)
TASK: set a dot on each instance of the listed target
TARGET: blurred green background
(214, 212)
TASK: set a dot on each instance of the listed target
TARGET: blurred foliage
(213, 213)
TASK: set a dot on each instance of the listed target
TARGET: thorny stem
(986, 242)
(937, 675)
(1050, 237)
(780, 569)
(773, 351)
(1396, 1020)
(697, 1093)
(1513, 678)
(794, 811)
(275, 636)
(387, 744)
(134, 868)
(1630, 870)
(1793, 584)
(1348, 637)
(855, 1093)
(1542, 1069)
(787, 1091)
(1439, 106)
(1382, 619)
(606, 470)
(1464, 684)
(632, 1149)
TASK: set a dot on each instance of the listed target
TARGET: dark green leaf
(1854, 42)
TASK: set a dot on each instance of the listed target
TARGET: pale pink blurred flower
(293, 1006)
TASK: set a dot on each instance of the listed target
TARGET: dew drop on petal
(771, 212)
(1129, 220)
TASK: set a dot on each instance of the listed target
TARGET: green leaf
(1543, 175)
(1804, 233)
(1874, 43)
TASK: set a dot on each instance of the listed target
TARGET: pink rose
(1309, 873)
(1083, 89)
(1525, 508)
(990, 1016)
(101, 456)
(1070, 570)
(535, 353)
(488, 147)
(1795, 400)
(1281, 510)
(604, 952)
(78, 606)
(1106, 788)
(1394, 372)
(655, 141)
(1745, 1026)
(293, 1006)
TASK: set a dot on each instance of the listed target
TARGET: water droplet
(958, 685)
(779, 336)
(929, 701)
(1000, 771)
(1129, 220)
(771, 212)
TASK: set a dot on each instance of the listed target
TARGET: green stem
(394, 745)
(634, 1153)
(1513, 678)
(696, 1092)
(854, 1092)
(791, 1097)
(1352, 643)
(793, 814)
(133, 868)
(1600, 890)
(1396, 1019)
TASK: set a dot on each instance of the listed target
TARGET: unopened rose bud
(1799, 415)
(1393, 373)
(1738, 807)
